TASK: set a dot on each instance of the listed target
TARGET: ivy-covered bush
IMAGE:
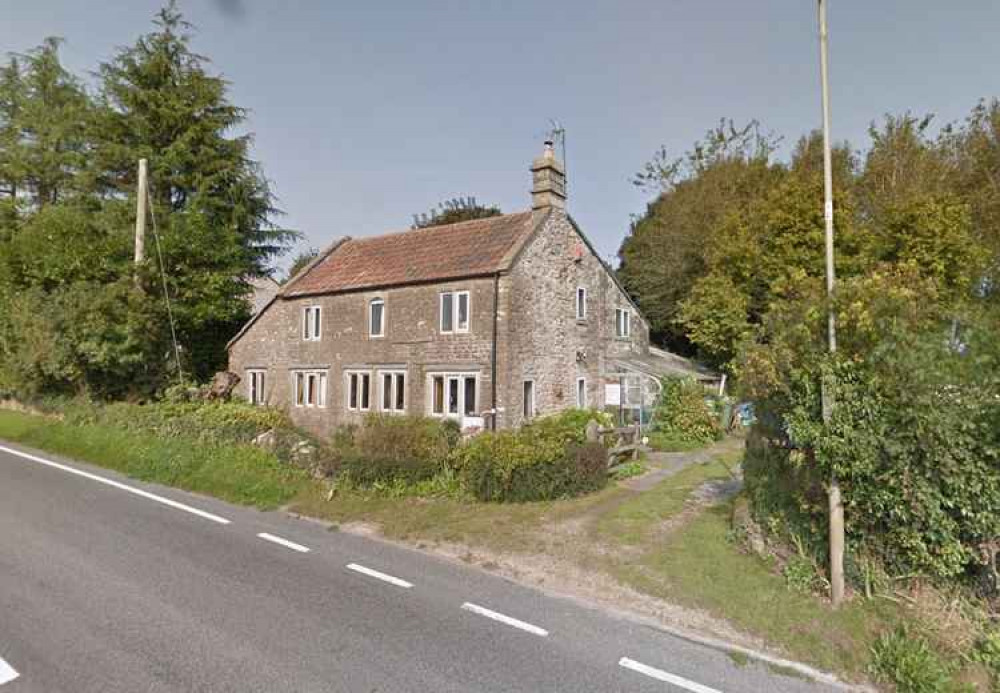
(914, 438)
(387, 449)
(683, 414)
(546, 459)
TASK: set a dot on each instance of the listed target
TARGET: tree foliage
(736, 273)
(68, 161)
(453, 211)
(301, 261)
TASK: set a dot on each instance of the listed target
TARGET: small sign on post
(613, 394)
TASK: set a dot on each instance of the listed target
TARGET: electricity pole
(142, 195)
(836, 505)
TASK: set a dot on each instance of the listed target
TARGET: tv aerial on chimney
(558, 134)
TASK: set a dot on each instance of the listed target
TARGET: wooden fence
(622, 443)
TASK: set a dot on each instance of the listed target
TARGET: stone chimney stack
(548, 181)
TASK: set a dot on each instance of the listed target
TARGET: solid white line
(118, 485)
(664, 676)
(284, 542)
(7, 673)
(380, 576)
(505, 619)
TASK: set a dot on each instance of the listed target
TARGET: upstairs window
(311, 323)
(454, 312)
(376, 318)
(581, 303)
(581, 393)
(255, 386)
(359, 390)
(623, 323)
(310, 388)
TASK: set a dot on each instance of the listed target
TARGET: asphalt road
(133, 587)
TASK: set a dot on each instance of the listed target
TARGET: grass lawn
(236, 473)
(662, 442)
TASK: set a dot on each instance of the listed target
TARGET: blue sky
(366, 113)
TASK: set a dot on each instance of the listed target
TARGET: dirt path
(665, 464)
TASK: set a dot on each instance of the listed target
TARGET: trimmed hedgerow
(386, 449)
(544, 460)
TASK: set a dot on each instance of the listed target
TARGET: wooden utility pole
(142, 194)
(836, 505)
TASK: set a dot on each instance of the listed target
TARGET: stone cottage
(490, 322)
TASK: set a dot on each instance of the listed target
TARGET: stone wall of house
(545, 341)
(539, 337)
(412, 343)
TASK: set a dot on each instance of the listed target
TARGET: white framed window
(528, 399)
(455, 308)
(581, 303)
(255, 385)
(454, 395)
(581, 393)
(392, 392)
(310, 388)
(358, 389)
(623, 322)
(312, 323)
(376, 317)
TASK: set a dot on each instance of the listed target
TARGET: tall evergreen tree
(211, 204)
(44, 127)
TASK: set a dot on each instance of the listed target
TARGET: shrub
(546, 459)
(683, 415)
(988, 652)
(910, 663)
(386, 449)
(914, 438)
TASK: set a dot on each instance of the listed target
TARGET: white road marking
(284, 542)
(660, 675)
(505, 619)
(100, 479)
(7, 673)
(379, 576)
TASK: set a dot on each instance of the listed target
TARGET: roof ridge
(438, 227)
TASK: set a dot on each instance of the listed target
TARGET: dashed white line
(7, 673)
(284, 542)
(379, 576)
(660, 675)
(496, 616)
(116, 484)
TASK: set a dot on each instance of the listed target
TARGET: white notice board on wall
(613, 394)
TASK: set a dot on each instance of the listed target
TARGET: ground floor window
(454, 394)
(581, 393)
(310, 388)
(528, 399)
(255, 386)
(393, 391)
(359, 390)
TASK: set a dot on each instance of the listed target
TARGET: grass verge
(236, 473)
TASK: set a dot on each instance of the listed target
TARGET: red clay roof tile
(465, 249)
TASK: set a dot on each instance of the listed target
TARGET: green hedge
(394, 448)
(544, 460)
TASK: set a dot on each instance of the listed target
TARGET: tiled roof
(465, 249)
